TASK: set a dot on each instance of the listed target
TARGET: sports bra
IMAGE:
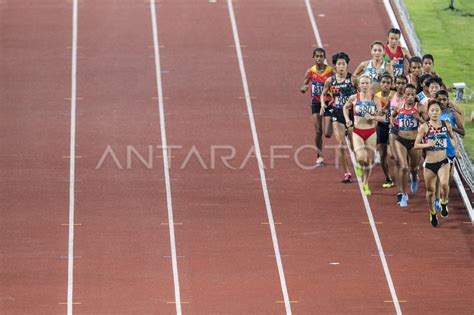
(398, 56)
(375, 74)
(341, 91)
(406, 119)
(439, 135)
(317, 81)
(364, 107)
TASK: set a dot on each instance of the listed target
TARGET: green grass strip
(449, 36)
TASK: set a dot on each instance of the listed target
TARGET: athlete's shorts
(407, 143)
(316, 109)
(434, 167)
(338, 116)
(364, 133)
(382, 133)
(394, 130)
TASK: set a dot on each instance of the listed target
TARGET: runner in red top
(396, 54)
(396, 101)
(408, 120)
(316, 76)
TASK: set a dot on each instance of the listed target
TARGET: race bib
(317, 88)
(364, 109)
(397, 69)
(407, 123)
(340, 101)
(441, 143)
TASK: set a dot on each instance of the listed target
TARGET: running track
(225, 252)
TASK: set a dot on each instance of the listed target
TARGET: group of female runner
(394, 104)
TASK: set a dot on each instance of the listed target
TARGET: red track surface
(224, 245)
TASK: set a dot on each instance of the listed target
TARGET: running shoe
(444, 209)
(319, 162)
(367, 191)
(437, 205)
(434, 219)
(388, 183)
(347, 178)
(404, 200)
(413, 183)
(399, 197)
(359, 170)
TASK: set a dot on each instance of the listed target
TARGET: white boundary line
(174, 260)
(259, 157)
(394, 21)
(381, 253)
(407, 25)
(364, 197)
(72, 162)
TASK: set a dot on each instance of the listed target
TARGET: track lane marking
(72, 160)
(393, 20)
(259, 157)
(171, 224)
(375, 233)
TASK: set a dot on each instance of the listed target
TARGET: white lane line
(259, 157)
(164, 145)
(364, 197)
(309, 9)
(72, 161)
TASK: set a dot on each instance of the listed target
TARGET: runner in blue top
(435, 134)
(422, 89)
(448, 114)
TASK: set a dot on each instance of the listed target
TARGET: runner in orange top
(316, 76)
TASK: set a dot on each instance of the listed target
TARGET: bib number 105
(408, 123)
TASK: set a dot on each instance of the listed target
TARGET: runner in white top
(375, 67)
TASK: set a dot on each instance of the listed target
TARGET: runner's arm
(422, 113)
(420, 118)
(305, 86)
(458, 110)
(360, 68)
(419, 137)
(459, 128)
(406, 53)
(379, 112)
(453, 138)
(393, 116)
(347, 106)
(325, 92)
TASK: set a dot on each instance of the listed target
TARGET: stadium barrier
(464, 172)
